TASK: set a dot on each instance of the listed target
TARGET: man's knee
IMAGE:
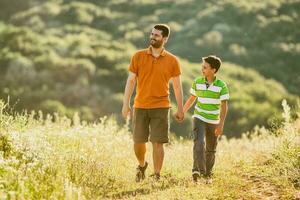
(156, 145)
(139, 146)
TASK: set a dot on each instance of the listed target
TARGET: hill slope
(72, 56)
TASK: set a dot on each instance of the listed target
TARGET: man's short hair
(165, 29)
(214, 61)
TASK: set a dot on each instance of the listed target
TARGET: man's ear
(165, 39)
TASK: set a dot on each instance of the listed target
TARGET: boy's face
(207, 70)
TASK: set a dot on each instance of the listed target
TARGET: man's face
(207, 70)
(156, 38)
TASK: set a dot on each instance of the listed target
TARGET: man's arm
(223, 113)
(130, 85)
(189, 103)
(178, 95)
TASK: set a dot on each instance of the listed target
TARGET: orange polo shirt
(153, 75)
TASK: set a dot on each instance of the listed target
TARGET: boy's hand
(219, 130)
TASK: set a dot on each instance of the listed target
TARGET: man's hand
(219, 130)
(125, 111)
(179, 116)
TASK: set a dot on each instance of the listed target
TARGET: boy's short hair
(165, 29)
(214, 61)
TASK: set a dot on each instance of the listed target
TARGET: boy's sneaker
(208, 179)
(155, 176)
(140, 174)
(196, 175)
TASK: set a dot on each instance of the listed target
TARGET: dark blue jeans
(205, 144)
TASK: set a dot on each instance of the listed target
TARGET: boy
(209, 116)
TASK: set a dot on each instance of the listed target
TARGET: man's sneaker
(195, 175)
(155, 176)
(140, 174)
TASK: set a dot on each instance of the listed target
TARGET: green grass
(59, 158)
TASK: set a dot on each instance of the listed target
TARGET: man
(151, 69)
(209, 116)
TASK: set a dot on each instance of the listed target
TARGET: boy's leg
(211, 145)
(199, 144)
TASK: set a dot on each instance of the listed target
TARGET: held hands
(179, 116)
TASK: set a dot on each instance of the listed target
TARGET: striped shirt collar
(207, 84)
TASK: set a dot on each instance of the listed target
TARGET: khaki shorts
(151, 122)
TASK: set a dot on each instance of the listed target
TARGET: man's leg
(140, 151)
(140, 134)
(140, 137)
(159, 126)
(158, 156)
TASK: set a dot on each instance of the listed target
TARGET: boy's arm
(189, 103)
(223, 113)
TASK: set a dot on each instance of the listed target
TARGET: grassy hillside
(59, 158)
(72, 56)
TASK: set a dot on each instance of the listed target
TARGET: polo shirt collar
(162, 53)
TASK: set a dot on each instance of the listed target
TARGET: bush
(53, 106)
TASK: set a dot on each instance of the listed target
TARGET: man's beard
(156, 44)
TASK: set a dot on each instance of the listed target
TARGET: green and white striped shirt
(209, 99)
